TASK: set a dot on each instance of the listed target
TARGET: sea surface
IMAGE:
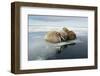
(39, 49)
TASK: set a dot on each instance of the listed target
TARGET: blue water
(39, 49)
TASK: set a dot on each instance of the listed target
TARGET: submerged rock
(61, 36)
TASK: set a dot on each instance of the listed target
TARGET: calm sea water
(39, 49)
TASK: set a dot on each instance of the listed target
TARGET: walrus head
(65, 29)
(71, 35)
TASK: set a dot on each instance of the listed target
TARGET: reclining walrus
(61, 36)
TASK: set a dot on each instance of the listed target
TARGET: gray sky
(70, 21)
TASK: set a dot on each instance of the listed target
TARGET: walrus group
(60, 36)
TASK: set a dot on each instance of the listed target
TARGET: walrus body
(61, 36)
(53, 37)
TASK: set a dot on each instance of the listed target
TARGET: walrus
(53, 36)
(71, 35)
(61, 36)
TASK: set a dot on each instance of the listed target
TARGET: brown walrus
(71, 35)
(53, 36)
(61, 36)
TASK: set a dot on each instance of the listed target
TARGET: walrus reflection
(63, 47)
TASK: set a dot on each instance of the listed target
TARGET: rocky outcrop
(61, 36)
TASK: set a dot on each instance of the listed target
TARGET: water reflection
(63, 47)
(39, 49)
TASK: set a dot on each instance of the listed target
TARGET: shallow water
(39, 49)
